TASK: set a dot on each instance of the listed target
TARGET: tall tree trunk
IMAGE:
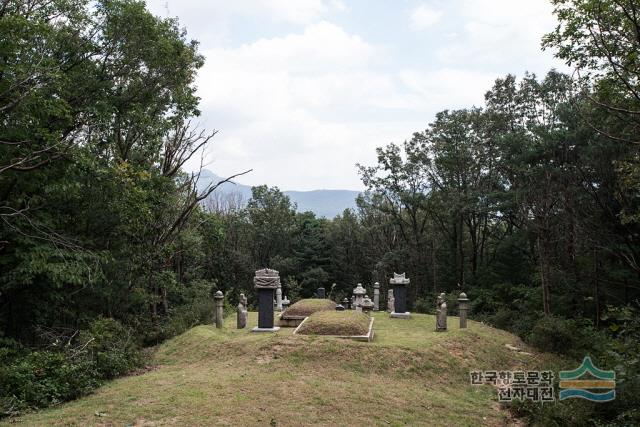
(545, 271)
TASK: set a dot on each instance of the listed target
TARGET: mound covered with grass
(410, 375)
(344, 323)
(306, 307)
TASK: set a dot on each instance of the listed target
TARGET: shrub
(566, 336)
(36, 379)
(43, 378)
(111, 347)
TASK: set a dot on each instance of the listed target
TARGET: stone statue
(390, 301)
(441, 316)
(241, 312)
(279, 297)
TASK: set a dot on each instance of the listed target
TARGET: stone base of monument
(364, 338)
(290, 321)
(405, 315)
(274, 329)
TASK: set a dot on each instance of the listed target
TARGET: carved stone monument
(441, 314)
(376, 296)
(346, 303)
(241, 313)
(219, 317)
(321, 293)
(463, 309)
(399, 283)
(266, 281)
(285, 303)
(390, 302)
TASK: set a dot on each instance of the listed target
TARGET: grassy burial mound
(306, 307)
(294, 315)
(410, 375)
(342, 323)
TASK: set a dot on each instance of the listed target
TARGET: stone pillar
(285, 303)
(266, 281)
(399, 283)
(376, 296)
(390, 302)
(352, 303)
(463, 308)
(279, 297)
(219, 300)
(321, 293)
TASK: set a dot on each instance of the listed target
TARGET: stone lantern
(266, 281)
(358, 294)
(367, 304)
(463, 309)
(346, 303)
(399, 283)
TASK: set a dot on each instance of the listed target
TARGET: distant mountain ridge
(324, 203)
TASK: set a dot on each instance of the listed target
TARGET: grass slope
(409, 375)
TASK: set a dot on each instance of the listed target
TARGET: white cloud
(424, 17)
(301, 99)
(500, 34)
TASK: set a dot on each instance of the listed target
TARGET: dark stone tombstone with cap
(320, 293)
(266, 281)
(399, 283)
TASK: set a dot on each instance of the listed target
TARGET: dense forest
(529, 203)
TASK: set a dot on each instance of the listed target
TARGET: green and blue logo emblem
(599, 387)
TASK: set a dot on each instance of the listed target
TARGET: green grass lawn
(409, 375)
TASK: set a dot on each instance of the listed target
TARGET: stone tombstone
(441, 314)
(345, 303)
(321, 293)
(463, 309)
(241, 313)
(219, 317)
(266, 281)
(279, 297)
(399, 283)
(358, 294)
(285, 303)
(376, 296)
(352, 303)
(390, 302)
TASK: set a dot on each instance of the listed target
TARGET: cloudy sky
(302, 90)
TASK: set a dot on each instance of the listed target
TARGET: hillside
(324, 203)
(408, 375)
